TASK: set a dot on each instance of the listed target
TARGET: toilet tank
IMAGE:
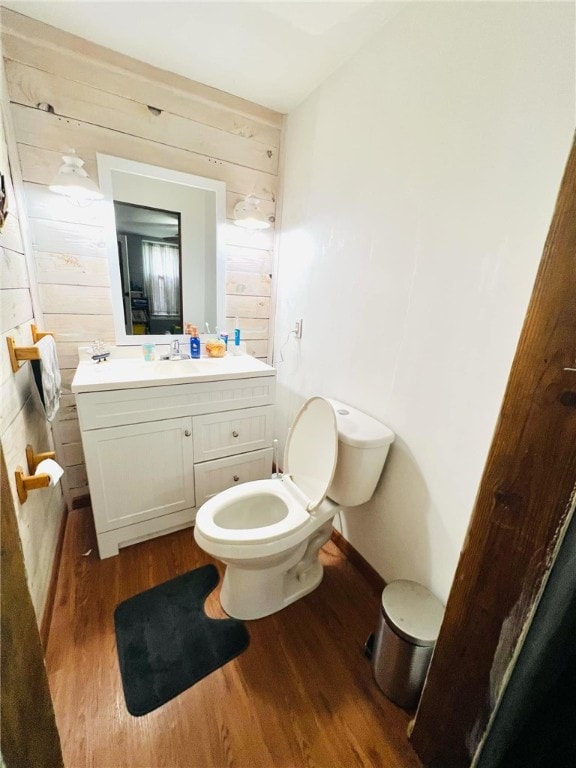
(363, 444)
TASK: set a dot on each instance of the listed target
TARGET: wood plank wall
(22, 420)
(100, 102)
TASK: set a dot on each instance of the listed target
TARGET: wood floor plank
(301, 696)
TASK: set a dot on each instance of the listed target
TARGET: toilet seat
(241, 515)
(256, 492)
(312, 450)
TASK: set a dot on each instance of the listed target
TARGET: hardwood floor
(302, 695)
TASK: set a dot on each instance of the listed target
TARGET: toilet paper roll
(51, 468)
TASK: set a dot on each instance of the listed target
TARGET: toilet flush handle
(235, 434)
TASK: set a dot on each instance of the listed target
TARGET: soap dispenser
(194, 343)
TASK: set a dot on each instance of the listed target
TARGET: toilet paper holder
(32, 482)
(33, 459)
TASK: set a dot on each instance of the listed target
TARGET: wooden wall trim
(51, 593)
(355, 558)
(520, 515)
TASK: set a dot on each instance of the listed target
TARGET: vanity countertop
(131, 373)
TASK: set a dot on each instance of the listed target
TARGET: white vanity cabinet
(154, 453)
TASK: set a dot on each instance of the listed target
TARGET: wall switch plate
(298, 328)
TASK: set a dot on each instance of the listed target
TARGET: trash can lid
(412, 611)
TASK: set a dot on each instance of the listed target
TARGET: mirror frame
(107, 164)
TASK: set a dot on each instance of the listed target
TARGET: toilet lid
(312, 449)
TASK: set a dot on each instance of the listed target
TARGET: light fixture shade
(247, 214)
(73, 181)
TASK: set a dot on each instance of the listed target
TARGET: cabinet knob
(235, 434)
(236, 478)
(187, 432)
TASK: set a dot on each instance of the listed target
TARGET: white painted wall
(420, 181)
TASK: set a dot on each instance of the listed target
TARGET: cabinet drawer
(224, 434)
(215, 476)
(111, 408)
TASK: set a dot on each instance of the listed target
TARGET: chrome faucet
(175, 353)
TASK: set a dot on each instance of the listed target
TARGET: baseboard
(355, 558)
(51, 594)
(81, 501)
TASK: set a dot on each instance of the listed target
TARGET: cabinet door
(215, 476)
(140, 471)
(223, 434)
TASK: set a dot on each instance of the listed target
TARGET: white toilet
(268, 532)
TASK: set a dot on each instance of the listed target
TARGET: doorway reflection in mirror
(149, 252)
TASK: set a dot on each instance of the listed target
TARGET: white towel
(51, 380)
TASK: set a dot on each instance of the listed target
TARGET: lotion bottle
(194, 343)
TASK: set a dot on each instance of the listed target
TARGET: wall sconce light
(73, 181)
(247, 214)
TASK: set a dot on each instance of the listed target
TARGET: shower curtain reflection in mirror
(161, 263)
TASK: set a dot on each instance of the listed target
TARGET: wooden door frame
(522, 510)
(29, 736)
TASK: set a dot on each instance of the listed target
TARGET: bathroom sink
(181, 356)
(131, 372)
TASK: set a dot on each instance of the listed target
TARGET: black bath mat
(166, 643)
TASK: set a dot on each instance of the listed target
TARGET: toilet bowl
(269, 532)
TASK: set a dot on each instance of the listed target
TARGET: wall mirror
(164, 237)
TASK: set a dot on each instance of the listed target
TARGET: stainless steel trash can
(407, 630)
